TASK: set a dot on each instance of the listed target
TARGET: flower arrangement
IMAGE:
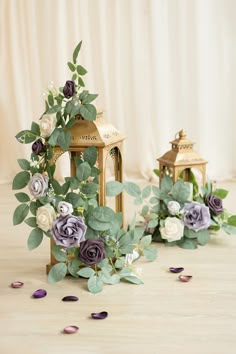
(89, 240)
(179, 214)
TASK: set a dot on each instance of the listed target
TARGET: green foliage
(81, 191)
(57, 272)
(35, 238)
(20, 213)
(21, 180)
(113, 188)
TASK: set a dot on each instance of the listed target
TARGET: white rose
(173, 207)
(173, 229)
(45, 216)
(47, 124)
(65, 208)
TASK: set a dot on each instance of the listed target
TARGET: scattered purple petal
(70, 298)
(71, 329)
(99, 315)
(39, 293)
(17, 284)
(185, 278)
(176, 270)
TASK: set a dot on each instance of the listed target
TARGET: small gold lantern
(109, 144)
(181, 159)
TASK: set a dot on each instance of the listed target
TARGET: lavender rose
(196, 216)
(92, 251)
(69, 231)
(69, 89)
(38, 147)
(38, 185)
(215, 204)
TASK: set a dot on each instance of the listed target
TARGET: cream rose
(173, 207)
(47, 124)
(65, 208)
(173, 229)
(45, 216)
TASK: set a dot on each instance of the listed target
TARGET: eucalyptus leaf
(31, 221)
(89, 98)
(95, 284)
(132, 189)
(83, 171)
(26, 137)
(20, 213)
(103, 214)
(220, 193)
(166, 184)
(35, 128)
(145, 210)
(35, 238)
(33, 208)
(64, 140)
(71, 66)
(74, 199)
(86, 272)
(203, 237)
(21, 180)
(113, 188)
(54, 136)
(22, 197)
(188, 244)
(150, 253)
(90, 155)
(90, 188)
(133, 279)
(88, 111)
(146, 240)
(24, 164)
(57, 272)
(56, 186)
(81, 70)
(232, 220)
(181, 191)
(58, 253)
(146, 192)
(73, 267)
(76, 52)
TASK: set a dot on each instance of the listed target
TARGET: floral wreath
(89, 240)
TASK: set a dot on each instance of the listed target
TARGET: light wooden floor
(163, 316)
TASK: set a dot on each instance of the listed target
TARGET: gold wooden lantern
(181, 159)
(109, 144)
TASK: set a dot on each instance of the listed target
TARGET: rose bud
(69, 89)
(38, 147)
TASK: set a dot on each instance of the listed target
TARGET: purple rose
(92, 251)
(196, 216)
(38, 147)
(69, 89)
(215, 204)
(69, 231)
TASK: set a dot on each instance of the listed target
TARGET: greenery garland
(90, 241)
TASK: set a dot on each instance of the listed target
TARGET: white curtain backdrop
(157, 65)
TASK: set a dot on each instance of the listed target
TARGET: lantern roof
(181, 153)
(98, 133)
